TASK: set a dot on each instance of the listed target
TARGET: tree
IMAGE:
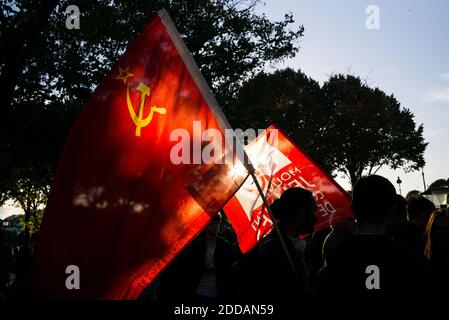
(344, 125)
(227, 39)
(370, 129)
(439, 184)
(35, 138)
(20, 26)
(31, 227)
(290, 100)
(50, 71)
(30, 198)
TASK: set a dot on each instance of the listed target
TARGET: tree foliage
(31, 226)
(226, 38)
(48, 71)
(345, 125)
(370, 129)
(292, 101)
(439, 184)
(21, 23)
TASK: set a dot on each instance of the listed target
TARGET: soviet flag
(124, 201)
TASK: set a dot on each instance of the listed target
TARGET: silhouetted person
(368, 264)
(419, 210)
(22, 267)
(316, 248)
(437, 247)
(265, 272)
(6, 262)
(201, 272)
(340, 231)
(400, 210)
(398, 227)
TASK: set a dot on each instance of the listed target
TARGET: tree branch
(380, 166)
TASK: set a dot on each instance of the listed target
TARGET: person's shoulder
(271, 244)
(406, 253)
(346, 244)
(350, 247)
(338, 249)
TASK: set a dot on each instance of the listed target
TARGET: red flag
(121, 208)
(280, 165)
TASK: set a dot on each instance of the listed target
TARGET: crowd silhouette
(392, 247)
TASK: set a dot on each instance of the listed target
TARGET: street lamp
(399, 181)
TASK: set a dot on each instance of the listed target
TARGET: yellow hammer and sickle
(138, 121)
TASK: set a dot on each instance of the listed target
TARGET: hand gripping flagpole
(252, 172)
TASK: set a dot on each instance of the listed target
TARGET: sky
(408, 56)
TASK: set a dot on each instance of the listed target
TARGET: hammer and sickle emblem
(144, 90)
(138, 120)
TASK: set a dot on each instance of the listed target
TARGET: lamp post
(399, 181)
(424, 180)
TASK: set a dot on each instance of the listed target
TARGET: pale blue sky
(408, 57)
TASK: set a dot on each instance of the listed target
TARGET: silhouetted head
(419, 211)
(400, 211)
(276, 208)
(297, 211)
(373, 200)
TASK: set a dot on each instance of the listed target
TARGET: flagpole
(251, 171)
(216, 110)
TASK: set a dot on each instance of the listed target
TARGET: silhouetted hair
(372, 199)
(437, 236)
(401, 207)
(292, 200)
(276, 208)
(419, 206)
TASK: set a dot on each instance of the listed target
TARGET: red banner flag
(280, 165)
(131, 190)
